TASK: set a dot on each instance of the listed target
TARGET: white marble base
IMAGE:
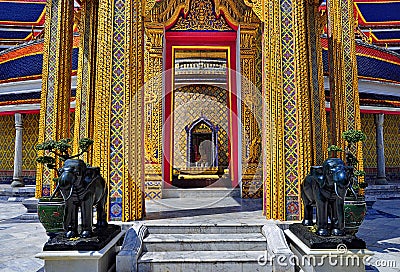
(326, 260)
(200, 193)
(87, 261)
(218, 261)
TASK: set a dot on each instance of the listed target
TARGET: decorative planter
(354, 214)
(51, 214)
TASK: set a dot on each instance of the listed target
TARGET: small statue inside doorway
(206, 153)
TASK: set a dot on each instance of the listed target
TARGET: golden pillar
(118, 148)
(85, 90)
(319, 132)
(251, 112)
(286, 107)
(153, 110)
(56, 82)
(345, 106)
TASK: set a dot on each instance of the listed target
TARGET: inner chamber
(200, 118)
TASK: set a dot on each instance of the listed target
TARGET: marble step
(212, 261)
(154, 228)
(390, 191)
(200, 193)
(205, 242)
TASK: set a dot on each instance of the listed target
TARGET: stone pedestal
(31, 207)
(87, 261)
(339, 259)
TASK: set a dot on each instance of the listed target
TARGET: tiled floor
(20, 240)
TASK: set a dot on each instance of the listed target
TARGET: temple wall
(369, 146)
(29, 141)
(7, 136)
(391, 130)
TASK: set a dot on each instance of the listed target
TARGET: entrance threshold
(201, 193)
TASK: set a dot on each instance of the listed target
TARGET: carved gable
(201, 16)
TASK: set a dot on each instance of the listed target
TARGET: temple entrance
(201, 150)
(197, 53)
(201, 111)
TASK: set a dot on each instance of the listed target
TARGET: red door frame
(202, 40)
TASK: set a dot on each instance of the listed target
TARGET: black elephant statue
(81, 186)
(325, 187)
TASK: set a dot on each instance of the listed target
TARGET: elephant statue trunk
(325, 187)
(82, 187)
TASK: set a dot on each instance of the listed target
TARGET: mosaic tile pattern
(290, 111)
(369, 146)
(191, 103)
(30, 136)
(7, 138)
(152, 189)
(391, 134)
(117, 112)
(348, 41)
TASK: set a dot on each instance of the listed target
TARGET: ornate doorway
(202, 144)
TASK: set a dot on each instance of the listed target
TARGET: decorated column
(56, 83)
(118, 147)
(345, 107)
(17, 176)
(286, 110)
(319, 132)
(85, 90)
(380, 150)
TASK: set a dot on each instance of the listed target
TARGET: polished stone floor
(20, 240)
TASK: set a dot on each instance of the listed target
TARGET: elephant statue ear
(90, 174)
(319, 175)
(59, 171)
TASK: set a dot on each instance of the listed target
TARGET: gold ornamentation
(201, 17)
(56, 80)
(167, 12)
(318, 113)
(7, 136)
(153, 93)
(147, 6)
(101, 147)
(83, 127)
(277, 73)
(133, 183)
(258, 8)
(345, 104)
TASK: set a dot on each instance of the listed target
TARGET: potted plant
(51, 208)
(355, 205)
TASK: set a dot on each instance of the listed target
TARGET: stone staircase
(203, 248)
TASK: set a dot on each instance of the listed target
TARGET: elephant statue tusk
(354, 192)
(70, 193)
(335, 184)
(55, 191)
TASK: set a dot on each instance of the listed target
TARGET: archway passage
(201, 142)
(206, 49)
